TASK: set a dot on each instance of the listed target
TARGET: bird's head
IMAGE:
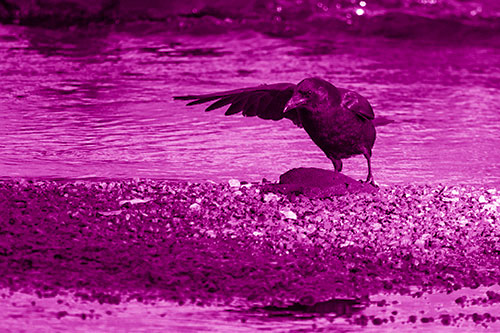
(313, 93)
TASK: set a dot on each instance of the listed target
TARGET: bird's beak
(295, 102)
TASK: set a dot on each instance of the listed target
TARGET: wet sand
(354, 259)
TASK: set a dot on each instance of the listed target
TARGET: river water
(97, 102)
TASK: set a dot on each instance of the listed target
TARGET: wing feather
(250, 109)
(220, 103)
(237, 105)
(278, 103)
(356, 103)
(202, 100)
(265, 101)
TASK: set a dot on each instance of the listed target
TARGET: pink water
(98, 103)
(35, 314)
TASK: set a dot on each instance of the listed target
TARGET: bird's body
(339, 121)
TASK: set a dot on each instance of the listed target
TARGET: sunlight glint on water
(101, 105)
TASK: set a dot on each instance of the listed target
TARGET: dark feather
(265, 101)
(202, 100)
(220, 103)
(356, 103)
(250, 109)
(218, 94)
(262, 109)
(278, 102)
(236, 106)
(294, 117)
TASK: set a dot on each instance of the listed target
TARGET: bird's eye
(307, 93)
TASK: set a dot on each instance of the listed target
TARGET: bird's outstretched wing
(356, 103)
(264, 101)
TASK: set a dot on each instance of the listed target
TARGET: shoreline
(286, 20)
(113, 241)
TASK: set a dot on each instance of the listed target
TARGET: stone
(317, 183)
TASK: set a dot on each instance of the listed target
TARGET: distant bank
(391, 18)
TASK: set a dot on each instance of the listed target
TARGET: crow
(339, 121)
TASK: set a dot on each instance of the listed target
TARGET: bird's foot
(369, 182)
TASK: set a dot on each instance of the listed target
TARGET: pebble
(405, 241)
(270, 197)
(287, 213)
(111, 213)
(234, 183)
(195, 206)
(134, 201)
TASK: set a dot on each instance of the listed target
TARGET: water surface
(98, 103)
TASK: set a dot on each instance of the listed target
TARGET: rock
(317, 183)
(134, 201)
(269, 197)
(110, 213)
(287, 213)
(314, 177)
(234, 183)
(195, 206)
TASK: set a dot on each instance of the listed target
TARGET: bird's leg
(369, 178)
(337, 165)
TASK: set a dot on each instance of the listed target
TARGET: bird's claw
(369, 182)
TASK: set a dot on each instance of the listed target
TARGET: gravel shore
(112, 241)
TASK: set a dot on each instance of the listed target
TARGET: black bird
(339, 121)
